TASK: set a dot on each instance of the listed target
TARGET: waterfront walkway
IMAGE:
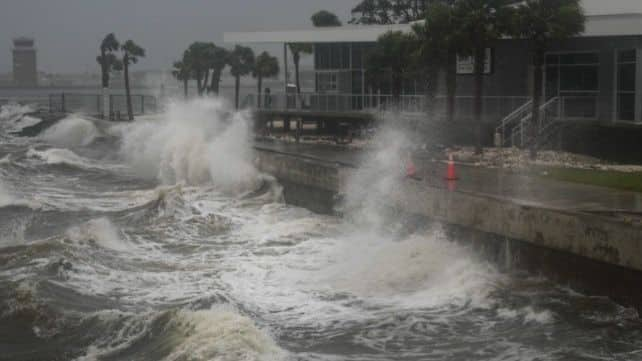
(497, 183)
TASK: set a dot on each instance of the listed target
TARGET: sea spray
(195, 142)
(393, 256)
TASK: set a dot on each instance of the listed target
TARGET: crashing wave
(197, 142)
(219, 334)
(100, 232)
(72, 131)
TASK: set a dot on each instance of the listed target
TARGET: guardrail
(552, 113)
(494, 107)
(93, 104)
(39, 102)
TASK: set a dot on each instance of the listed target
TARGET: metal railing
(38, 102)
(552, 113)
(93, 104)
(494, 107)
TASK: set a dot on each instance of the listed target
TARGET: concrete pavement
(498, 183)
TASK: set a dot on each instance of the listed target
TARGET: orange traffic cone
(450, 174)
(411, 170)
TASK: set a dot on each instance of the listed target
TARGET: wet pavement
(498, 183)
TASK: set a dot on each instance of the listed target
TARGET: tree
(543, 21)
(131, 53)
(107, 59)
(440, 40)
(325, 18)
(218, 58)
(182, 72)
(241, 62)
(266, 66)
(482, 22)
(394, 52)
(297, 50)
(389, 11)
(197, 56)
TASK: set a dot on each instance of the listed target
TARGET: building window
(327, 82)
(626, 78)
(574, 77)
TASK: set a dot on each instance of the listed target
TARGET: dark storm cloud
(67, 31)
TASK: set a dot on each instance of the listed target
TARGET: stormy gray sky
(67, 32)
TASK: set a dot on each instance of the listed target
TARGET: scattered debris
(514, 158)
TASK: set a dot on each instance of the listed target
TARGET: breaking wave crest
(72, 131)
(55, 156)
(101, 232)
(195, 142)
(219, 333)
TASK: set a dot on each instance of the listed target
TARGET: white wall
(612, 6)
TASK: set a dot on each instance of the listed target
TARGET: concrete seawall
(600, 254)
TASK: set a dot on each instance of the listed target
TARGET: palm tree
(218, 58)
(394, 52)
(266, 66)
(182, 72)
(107, 59)
(543, 21)
(197, 57)
(482, 22)
(440, 40)
(325, 18)
(241, 61)
(131, 53)
(297, 50)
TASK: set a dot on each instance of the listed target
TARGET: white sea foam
(195, 142)
(54, 156)
(13, 111)
(424, 270)
(527, 314)
(71, 132)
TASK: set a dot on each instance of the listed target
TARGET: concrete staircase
(513, 129)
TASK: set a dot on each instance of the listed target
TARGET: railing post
(142, 104)
(62, 102)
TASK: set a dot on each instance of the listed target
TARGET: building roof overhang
(596, 26)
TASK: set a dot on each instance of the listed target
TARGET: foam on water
(71, 131)
(53, 156)
(14, 111)
(197, 142)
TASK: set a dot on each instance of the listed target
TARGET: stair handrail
(541, 127)
(512, 117)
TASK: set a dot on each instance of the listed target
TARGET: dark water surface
(158, 240)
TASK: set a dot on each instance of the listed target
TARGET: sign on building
(466, 64)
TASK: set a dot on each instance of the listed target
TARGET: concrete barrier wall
(597, 245)
(597, 237)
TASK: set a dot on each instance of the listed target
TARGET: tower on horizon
(25, 70)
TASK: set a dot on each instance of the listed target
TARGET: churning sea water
(159, 240)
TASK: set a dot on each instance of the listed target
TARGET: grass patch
(603, 178)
